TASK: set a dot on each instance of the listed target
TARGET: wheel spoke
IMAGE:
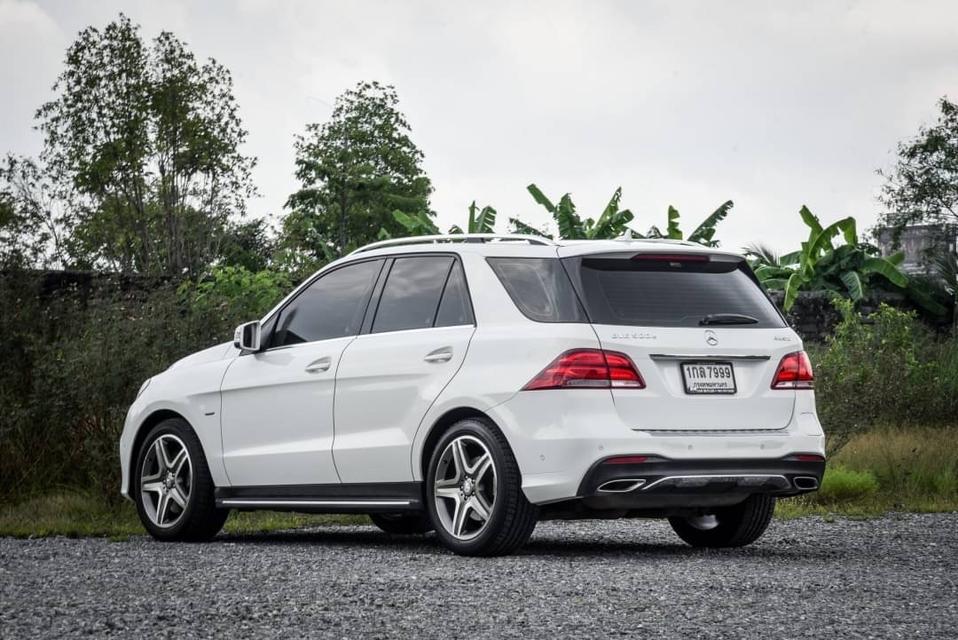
(459, 458)
(178, 497)
(152, 487)
(459, 517)
(483, 464)
(448, 492)
(162, 504)
(159, 451)
(478, 508)
(176, 465)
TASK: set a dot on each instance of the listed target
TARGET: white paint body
(363, 411)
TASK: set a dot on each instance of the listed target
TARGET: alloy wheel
(465, 487)
(166, 481)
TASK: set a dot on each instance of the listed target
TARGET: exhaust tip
(621, 486)
(805, 483)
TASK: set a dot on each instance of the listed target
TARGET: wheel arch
(442, 424)
(153, 419)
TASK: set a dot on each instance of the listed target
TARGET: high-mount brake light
(588, 369)
(794, 372)
(671, 257)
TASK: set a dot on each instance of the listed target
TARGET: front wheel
(734, 526)
(174, 492)
(474, 494)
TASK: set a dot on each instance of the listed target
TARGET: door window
(331, 307)
(410, 299)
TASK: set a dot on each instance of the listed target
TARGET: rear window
(663, 293)
(540, 288)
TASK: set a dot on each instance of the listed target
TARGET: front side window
(331, 307)
(411, 296)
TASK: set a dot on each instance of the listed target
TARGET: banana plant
(611, 223)
(703, 234)
(848, 269)
(422, 224)
(614, 222)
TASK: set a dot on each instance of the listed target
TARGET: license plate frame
(694, 390)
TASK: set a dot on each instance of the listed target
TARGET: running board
(387, 497)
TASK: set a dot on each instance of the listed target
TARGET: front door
(277, 411)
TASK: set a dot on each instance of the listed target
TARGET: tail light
(588, 369)
(794, 372)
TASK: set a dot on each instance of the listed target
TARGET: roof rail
(456, 237)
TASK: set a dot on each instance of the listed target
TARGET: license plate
(708, 377)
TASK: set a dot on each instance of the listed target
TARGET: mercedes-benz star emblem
(711, 338)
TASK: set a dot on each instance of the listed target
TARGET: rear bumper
(659, 483)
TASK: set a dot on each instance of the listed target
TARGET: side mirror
(247, 336)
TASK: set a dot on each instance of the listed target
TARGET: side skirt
(385, 497)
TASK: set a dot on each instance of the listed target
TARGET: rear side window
(331, 307)
(540, 288)
(455, 308)
(664, 293)
(410, 299)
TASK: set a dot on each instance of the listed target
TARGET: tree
(923, 185)
(143, 143)
(704, 234)
(31, 222)
(355, 171)
(422, 223)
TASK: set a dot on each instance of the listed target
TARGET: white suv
(474, 384)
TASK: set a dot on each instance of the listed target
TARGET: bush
(76, 349)
(885, 369)
(842, 485)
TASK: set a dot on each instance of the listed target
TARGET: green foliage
(611, 223)
(841, 485)
(422, 223)
(77, 348)
(703, 234)
(355, 171)
(849, 269)
(886, 369)
(923, 185)
(142, 144)
(31, 222)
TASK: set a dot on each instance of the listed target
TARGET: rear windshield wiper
(727, 318)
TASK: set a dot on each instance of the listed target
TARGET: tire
(483, 475)
(734, 526)
(191, 485)
(402, 524)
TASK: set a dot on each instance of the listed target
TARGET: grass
(82, 515)
(891, 469)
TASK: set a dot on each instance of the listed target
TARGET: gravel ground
(895, 577)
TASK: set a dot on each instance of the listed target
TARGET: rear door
(389, 376)
(702, 333)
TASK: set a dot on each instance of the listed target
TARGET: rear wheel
(474, 494)
(734, 526)
(402, 524)
(174, 490)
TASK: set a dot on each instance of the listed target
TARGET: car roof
(532, 246)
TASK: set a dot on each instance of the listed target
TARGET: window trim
(273, 318)
(380, 286)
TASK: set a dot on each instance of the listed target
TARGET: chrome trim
(712, 432)
(705, 356)
(244, 502)
(635, 484)
(741, 479)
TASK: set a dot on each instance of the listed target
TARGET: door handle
(439, 355)
(318, 366)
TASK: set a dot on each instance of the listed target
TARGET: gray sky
(773, 105)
